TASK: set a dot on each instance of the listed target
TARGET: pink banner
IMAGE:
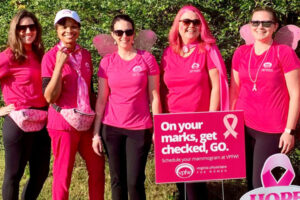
(191, 147)
(280, 189)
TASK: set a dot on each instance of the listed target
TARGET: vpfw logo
(184, 170)
(137, 69)
(267, 65)
(195, 66)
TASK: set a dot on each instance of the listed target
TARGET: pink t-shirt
(21, 84)
(187, 81)
(266, 109)
(68, 97)
(128, 101)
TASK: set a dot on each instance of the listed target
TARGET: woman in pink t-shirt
(128, 82)
(67, 76)
(265, 84)
(21, 85)
(191, 80)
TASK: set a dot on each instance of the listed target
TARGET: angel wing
(289, 35)
(104, 43)
(145, 40)
(246, 34)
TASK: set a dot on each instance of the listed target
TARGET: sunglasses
(23, 28)
(120, 33)
(187, 22)
(265, 24)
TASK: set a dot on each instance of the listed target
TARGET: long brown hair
(15, 43)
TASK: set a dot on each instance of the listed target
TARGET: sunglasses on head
(187, 22)
(263, 23)
(128, 32)
(32, 27)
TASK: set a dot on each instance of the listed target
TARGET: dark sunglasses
(187, 22)
(32, 27)
(265, 24)
(128, 32)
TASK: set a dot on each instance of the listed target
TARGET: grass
(234, 189)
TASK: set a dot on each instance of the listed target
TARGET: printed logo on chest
(137, 71)
(195, 68)
(267, 67)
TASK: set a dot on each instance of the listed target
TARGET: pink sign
(191, 147)
(275, 189)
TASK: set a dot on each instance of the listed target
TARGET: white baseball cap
(66, 13)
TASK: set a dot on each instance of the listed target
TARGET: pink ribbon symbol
(230, 128)
(277, 160)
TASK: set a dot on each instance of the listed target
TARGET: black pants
(127, 152)
(193, 191)
(259, 146)
(20, 148)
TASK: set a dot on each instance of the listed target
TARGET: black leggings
(194, 191)
(20, 148)
(127, 152)
(259, 146)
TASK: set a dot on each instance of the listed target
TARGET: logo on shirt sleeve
(267, 67)
(195, 68)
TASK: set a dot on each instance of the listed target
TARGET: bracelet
(96, 137)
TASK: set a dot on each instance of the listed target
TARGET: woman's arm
(234, 89)
(214, 104)
(153, 92)
(103, 92)
(53, 89)
(287, 141)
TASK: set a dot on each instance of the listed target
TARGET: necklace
(254, 89)
(187, 47)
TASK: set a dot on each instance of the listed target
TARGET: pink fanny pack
(29, 120)
(77, 119)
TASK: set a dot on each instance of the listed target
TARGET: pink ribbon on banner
(230, 128)
(75, 59)
(277, 160)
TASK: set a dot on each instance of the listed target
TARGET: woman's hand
(61, 58)
(6, 109)
(97, 145)
(286, 142)
(292, 79)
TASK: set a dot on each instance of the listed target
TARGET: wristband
(96, 137)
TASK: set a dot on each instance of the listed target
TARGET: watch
(290, 131)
